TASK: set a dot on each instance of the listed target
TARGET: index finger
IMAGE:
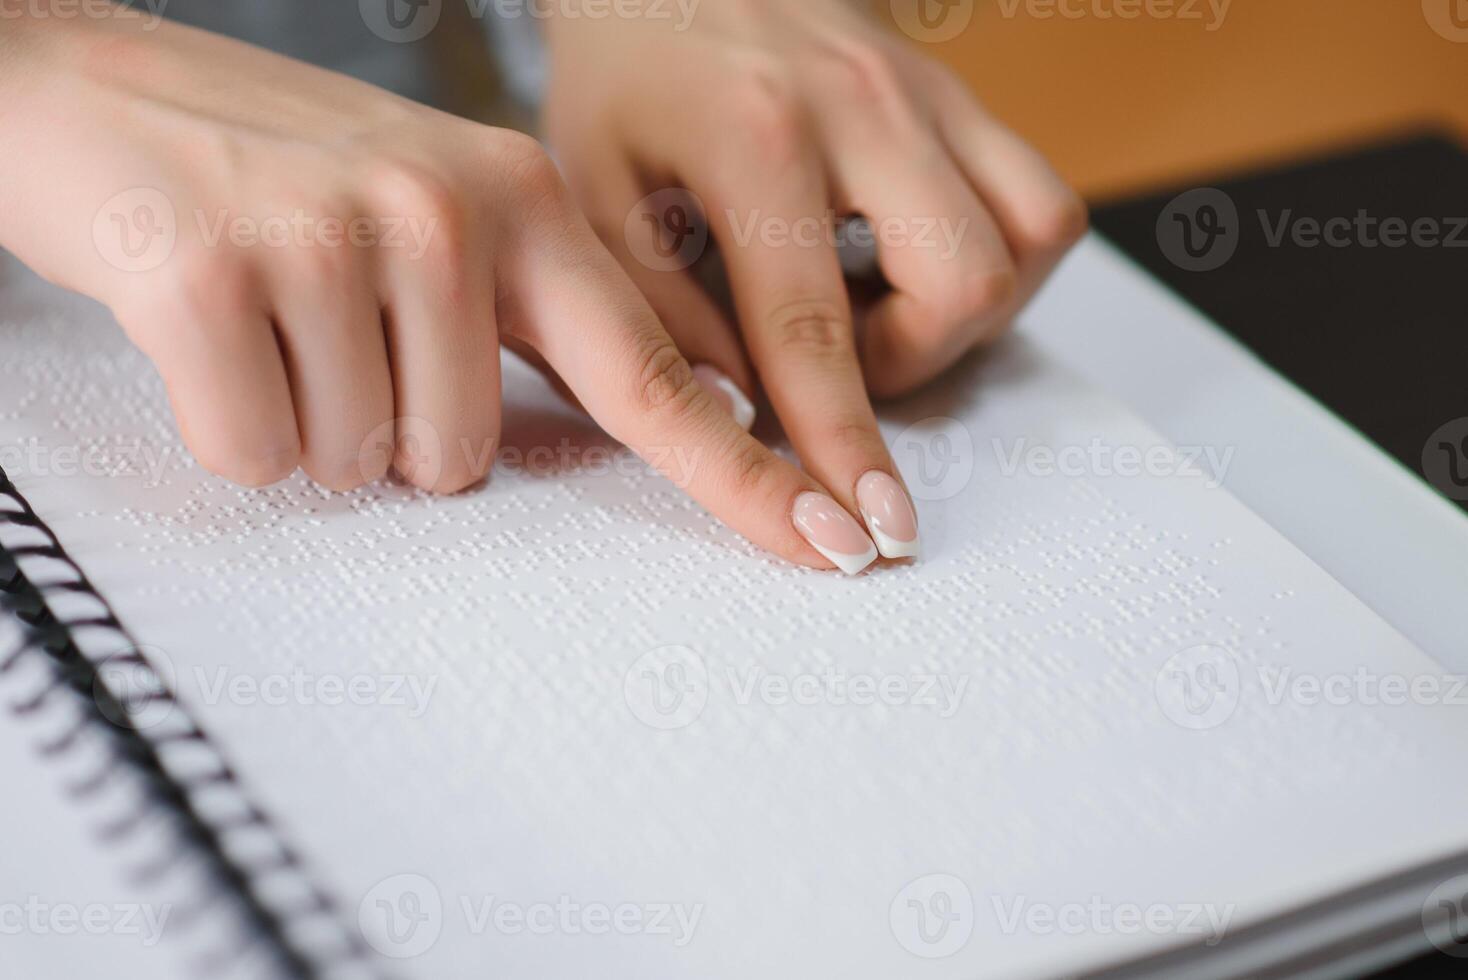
(573, 304)
(775, 231)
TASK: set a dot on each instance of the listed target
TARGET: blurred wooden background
(1121, 105)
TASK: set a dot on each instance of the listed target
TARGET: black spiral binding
(274, 932)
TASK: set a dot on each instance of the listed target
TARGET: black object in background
(1348, 275)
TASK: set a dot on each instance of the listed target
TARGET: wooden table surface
(1123, 104)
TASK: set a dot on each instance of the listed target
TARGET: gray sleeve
(515, 38)
(386, 42)
(329, 33)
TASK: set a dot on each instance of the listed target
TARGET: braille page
(567, 724)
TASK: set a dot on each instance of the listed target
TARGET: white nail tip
(743, 407)
(850, 564)
(890, 547)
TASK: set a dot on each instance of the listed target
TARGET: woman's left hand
(780, 116)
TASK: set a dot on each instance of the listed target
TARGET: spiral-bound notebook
(567, 725)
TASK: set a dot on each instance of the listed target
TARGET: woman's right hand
(323, 273)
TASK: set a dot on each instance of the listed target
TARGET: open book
(567, 725)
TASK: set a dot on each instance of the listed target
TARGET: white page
(519, 769)
(1299, 467)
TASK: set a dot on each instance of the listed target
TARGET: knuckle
(529, 171)
(1058, 223)
(866, 72)
(203, 281)
(765, 105)
(410, 188)
(854, 433)
(409, 192)
(664, 378)
(812, 327)
(199, 290)
(752, 469)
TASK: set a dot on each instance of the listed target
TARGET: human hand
(308, 260)
(780, 116)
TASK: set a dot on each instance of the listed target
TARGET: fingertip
(833, 532)
(252, 470)
(889, 514)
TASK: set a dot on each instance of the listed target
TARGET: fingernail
(833, 532)
(726, 393)
(889, 514)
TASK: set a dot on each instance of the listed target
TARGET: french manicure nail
(889, 514)
(833, 532)
(726, 393)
